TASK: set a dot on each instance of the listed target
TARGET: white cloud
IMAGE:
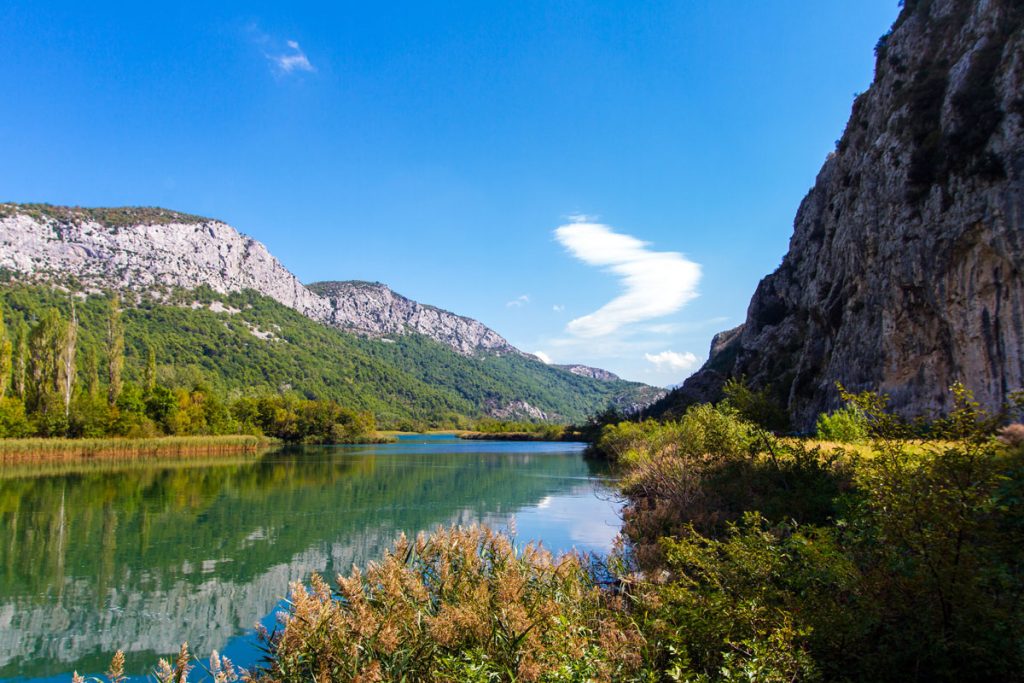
(544, 357)
(292, 60)
(672, 360)
(655, 283)
(519, 301)
(558, 308)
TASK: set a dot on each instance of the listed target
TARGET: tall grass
(46, 450)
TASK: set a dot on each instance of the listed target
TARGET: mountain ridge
(202, 293)
(165, 249)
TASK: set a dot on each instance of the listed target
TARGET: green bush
(13, 422)
(846, 425)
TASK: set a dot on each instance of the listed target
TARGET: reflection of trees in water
(148, 556)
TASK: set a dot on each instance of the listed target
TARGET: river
(143, 556)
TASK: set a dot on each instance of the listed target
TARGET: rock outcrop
(154, 250)
(904, 272)
(592, 373)
(372, 308)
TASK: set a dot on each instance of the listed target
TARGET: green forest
(198, 362)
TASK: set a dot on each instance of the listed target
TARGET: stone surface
(372, 308)
(904, 272)
(188, 252)
(593, 373)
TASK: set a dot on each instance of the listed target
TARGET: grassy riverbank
(47, 450)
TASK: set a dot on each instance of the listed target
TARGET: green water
(144, 557)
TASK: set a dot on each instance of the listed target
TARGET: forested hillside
(245, 344)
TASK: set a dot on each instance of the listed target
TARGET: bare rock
(904, 272)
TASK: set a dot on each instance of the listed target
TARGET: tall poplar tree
(20, 360)
(46, 345)
(6, 348)
(115, 349)
(66, 367)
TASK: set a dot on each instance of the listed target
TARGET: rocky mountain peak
(155, 250)
(373, 308)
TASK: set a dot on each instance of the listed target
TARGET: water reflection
(145, 557)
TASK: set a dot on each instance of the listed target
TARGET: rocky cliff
(372, 308)
(904, 272)
(587, 371)
(156, 250)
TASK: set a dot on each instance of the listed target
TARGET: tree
(5, 357)
(66, 370)
(92, 372)
(20, 359)
(115, 349)
(46, 346)
(149, 376)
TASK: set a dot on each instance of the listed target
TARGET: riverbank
(555, 434)
(16, 451)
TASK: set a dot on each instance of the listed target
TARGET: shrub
(846, 425)
(13, 422)
(752, 605)
(1012, 435)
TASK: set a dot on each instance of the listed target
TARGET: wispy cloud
(654, 283)
(294, 59)
(558, 308)
(543, 356)
(672, 360)
(284, 58)
(518, 302)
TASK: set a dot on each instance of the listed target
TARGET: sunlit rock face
(158, 250)
(373, 308)
(587, 371)
(904, 270)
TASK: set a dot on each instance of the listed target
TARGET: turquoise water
(143, 557)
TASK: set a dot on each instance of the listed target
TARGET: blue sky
(602, 182)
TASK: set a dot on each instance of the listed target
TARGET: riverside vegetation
(748, 557)
(64, 380)
(244, 343)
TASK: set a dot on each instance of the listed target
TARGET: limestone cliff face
(593, 373)
(372, 308)
(153, 249)
(904, 272)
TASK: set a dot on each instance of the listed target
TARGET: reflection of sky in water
(587, 519)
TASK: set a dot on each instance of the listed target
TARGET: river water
(141, 557)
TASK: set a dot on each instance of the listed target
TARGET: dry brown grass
(17, 451)
(459, 604)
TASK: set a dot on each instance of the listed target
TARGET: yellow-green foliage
(702, 429)
(846, 425)
(904, 564)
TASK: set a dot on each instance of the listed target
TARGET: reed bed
(82, 466)
(13, 451)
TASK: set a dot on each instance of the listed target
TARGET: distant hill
(219, 308)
